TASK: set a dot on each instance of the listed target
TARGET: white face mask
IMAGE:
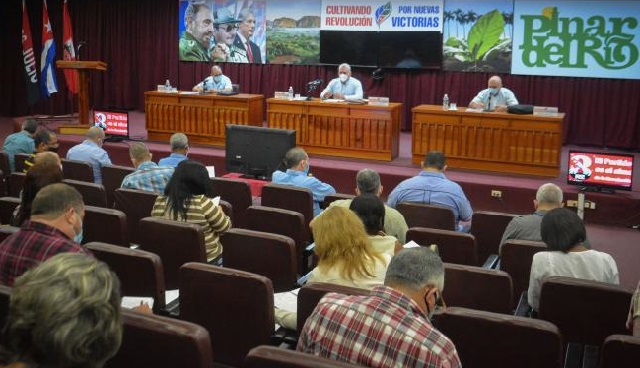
(343, 77)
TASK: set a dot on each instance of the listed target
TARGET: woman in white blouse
(564, 233)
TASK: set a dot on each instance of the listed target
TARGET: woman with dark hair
(564, 233)
(370, 209)
(39, 176)
(187, 198)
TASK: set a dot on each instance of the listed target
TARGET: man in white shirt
(495, 97)
(345, 87)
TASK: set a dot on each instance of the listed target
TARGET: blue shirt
(433, 188)
(351, 89)
(90, 152)
(504, 98)
(300, 179)
(148, 176)
(173, 160)
(225, 83)
(20, 142)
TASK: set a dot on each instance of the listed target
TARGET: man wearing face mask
(345, 87)
(296, 161)
(55, 227)
(215, 82)
(391, 327)
(494, 98)
(45, 141)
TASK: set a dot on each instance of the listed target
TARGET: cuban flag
(48, 83)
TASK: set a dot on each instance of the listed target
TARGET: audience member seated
(91, 151)
(345, 256)
(370, 209)
(55, 227)
(20, 142)
(48, 157)
(431, 186)
(63, 313)
(179, 150)
(368, 182)
(148, 175)
(389, 328)
(527, 227)
(38, 177)
(564, 234)
(45, 141)
(187, 198)
(297, 162)
(633, 322)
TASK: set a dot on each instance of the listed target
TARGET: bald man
(215, 82)
(495, 97)
(91, 151)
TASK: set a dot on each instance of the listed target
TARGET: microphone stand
(312, 86)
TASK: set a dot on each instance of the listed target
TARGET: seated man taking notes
(345, 87)
(215, 82)
(494, 98)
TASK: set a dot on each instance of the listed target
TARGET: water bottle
(167, 86)
(291, 93)
(445, 102)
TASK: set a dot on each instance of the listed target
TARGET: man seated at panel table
(215, 82)
(345, 87)
(431, 186)
(495, 97)
(297, 162)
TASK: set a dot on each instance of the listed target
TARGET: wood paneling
(523, 144)
(201, 117)
(340, 129)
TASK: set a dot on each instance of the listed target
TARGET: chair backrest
(266, 254)
(153, 341)
(453, 246)
(112, 176)
(19, 160)
(140, 272)
(105, 225)
(7, 206)
(620, 351)
(427, 215)
(290, 198)
(236, 192)
(92, 194)
(236, 307)
(136, 204)
(15, 183)
(5, 167)
(585, 311)
(486, 339)
(227, 208)
(477, 288)
(273, 357)
(515, 259)
(7, 230)
(176, 243)
(335, 197)
(310, 294)
(77, 170)
(279, 221)
(488, 228)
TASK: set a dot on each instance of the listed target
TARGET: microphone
(80, 45)
(204, 85)
(315, 82)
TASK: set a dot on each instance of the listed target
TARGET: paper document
(171, 295)
(287, 300)
(411, 244)
(212, 171)
(131, 302)
(216, 200)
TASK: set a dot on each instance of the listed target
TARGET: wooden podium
(83, 68)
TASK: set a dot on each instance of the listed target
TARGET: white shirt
(587, 265)
(225, 83)
(504, 97)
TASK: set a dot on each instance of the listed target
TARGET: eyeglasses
(440, 303)
(228, 27)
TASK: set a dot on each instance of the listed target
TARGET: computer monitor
(256, 152)
(115, 123)
(600, 171)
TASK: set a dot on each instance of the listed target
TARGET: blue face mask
(306, 169)
(494, 91)
(78, 237)
(217, 79)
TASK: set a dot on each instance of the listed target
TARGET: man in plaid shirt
(389, 328)
(148, 175)
(55, 227)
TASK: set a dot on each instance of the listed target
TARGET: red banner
(29, 58)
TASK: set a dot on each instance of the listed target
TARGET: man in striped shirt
(390, 327)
